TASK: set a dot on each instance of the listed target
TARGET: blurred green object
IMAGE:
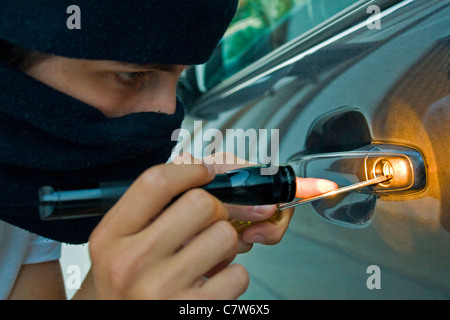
(260, 26)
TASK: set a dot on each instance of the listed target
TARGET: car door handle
(352, 187)
(405, 166)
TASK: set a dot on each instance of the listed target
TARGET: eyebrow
(157, 66)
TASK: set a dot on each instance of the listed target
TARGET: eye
(130, 78)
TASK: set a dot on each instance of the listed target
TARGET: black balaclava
(138, 31)
(49, 138)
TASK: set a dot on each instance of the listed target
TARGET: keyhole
(383, 167)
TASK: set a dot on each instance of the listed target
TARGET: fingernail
(263, 209)
(210, 168)
(326, 185)
(257, 238)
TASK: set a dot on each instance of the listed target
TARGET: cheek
(148, 103)
(97, 93)
(101, 91)
(145, 100)
(117, 101)
(158, 95)
(91, 89)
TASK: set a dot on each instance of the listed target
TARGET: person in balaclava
(97, 103)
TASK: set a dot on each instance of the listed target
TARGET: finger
(151, 192)
(250, 213)
(186, 158)
(212, 246)
(244, 246)
(310, 187)
(186, 217)
(268, 232)
(228, 284)
(216, 269)
(226, 161)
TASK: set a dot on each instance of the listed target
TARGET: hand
(145, 249)
(265, 232)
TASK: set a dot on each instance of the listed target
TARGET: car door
(361, 92)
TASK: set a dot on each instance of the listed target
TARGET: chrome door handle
(406, 167)
(333, 193)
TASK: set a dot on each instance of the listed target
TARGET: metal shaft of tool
(332, 193)
(242, 225)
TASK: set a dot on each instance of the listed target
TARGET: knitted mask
(183, 32)
(49, 138)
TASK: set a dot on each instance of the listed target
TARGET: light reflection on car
(340, 87)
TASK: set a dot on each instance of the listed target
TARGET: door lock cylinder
(405, 165)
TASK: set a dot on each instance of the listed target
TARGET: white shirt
(18, 247)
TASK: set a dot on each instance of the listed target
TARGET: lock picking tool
(242, 225)
(332, 193)
(245, 186)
